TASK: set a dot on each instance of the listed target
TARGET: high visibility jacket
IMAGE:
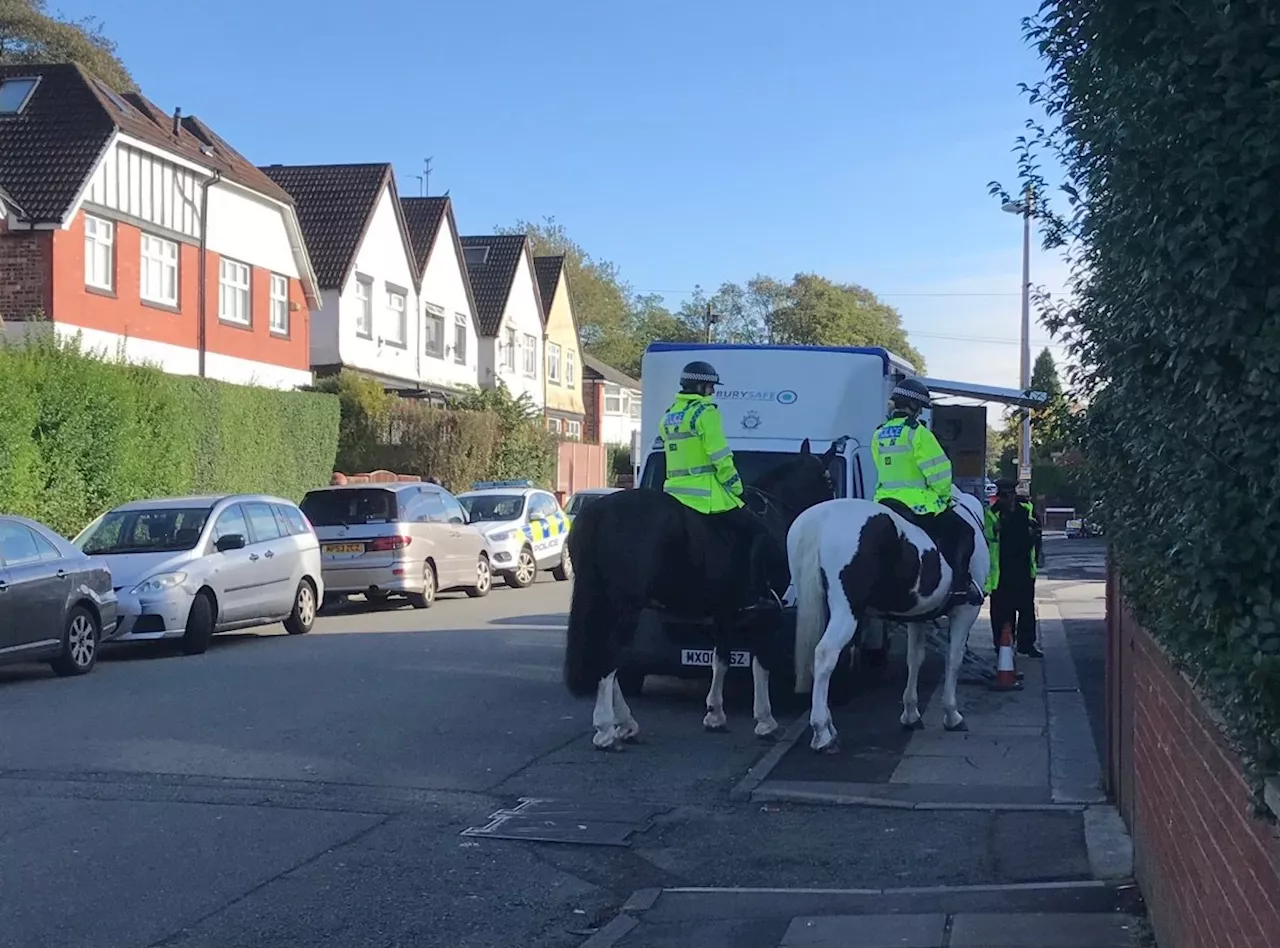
(700, 468)
(991, 531)
(911, 466)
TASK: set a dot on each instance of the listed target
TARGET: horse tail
(804, 547)
(588, 642)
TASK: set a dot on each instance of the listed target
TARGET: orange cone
(1006, 673)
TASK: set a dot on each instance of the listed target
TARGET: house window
(459, 339)
(159, 270)
(233, 293)
(613, 399)
(364, 314)
(553, 362)
(574, 430)
(570, 368)
(433, 331)
(397, 318)
(509, 356)
(14, 94)
(99, 253)
(634, 406)
(553, 425)
(279, 304)
(531, 356)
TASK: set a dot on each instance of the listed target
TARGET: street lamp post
(1023, 207)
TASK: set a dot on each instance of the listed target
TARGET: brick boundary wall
(1208, 868)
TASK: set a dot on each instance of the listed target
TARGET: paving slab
(1042, 930)
(866, 931)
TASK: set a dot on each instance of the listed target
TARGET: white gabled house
(509, 310)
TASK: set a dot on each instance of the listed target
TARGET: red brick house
(146, 234)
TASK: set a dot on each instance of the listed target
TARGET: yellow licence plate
(344, 548)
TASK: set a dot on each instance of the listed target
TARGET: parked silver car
(56, 605)
(407, 539)
(187, 567)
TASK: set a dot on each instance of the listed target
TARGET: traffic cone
(1006, 673)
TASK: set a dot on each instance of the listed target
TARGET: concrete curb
(1075, 775)
(781, 793)
(611, 934)
(745, 789)
(1108, 844)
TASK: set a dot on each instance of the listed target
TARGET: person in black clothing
(1013, 601)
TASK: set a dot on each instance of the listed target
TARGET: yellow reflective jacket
(991, 531)
(700, 468)
(911, 466)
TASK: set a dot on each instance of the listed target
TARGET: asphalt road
(282, 791)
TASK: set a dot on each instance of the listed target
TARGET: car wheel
(333, 602)
(631, 682)
(199, 631)
(484, 579)
(424, 599)
(303, 616)
(526, 570)
(79, 644)
(564, 571)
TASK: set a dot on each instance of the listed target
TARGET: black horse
(641, 548)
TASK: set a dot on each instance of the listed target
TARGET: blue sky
(690, 142)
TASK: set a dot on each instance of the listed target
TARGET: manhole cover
(559, 821)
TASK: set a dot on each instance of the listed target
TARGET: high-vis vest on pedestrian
(700, 468)
(991, 531)
(911, 466)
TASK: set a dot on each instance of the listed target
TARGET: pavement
(352, 788)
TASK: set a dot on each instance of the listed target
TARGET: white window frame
(460, 323)
(99, 235)
(574, 430)
(235, 284)
(633, 406)
(570, 367)
(530, 356)
(612, 393)
(433, 315)
(554, 425)
(398, 315)
(364, 296)
(279, 319)
(159, 257)
(553, 362)
(509, 356)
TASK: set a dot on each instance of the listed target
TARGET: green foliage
(30, 34)
(455, 447)
(1167, 123)
(365, 419)
(79, 435)
(525, 448)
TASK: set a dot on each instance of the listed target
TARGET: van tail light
(386, 544)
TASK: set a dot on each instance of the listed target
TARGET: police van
(771, 399)
(525, 527)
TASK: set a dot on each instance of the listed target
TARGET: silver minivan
(401, 539)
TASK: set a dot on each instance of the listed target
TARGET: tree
(1050, 424)
(30, 34)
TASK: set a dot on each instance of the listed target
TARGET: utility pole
(1024, 446)
(426, 176)
(712, 319)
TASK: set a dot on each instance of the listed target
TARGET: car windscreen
(346, 507)
(492, 507)
(146, 530)
(579, 502)
(753, 466)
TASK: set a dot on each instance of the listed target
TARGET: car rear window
(346, 506)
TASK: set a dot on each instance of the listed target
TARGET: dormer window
(15, 93)
(476, 256)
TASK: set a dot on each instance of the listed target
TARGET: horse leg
(839, 633)
(762, 709)
(911, 718)
(962, 620)
(605, 718)
(627, 728)
(715, 719)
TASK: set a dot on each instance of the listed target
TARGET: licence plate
(704, 656)
(344, 547)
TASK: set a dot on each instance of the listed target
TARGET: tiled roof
(491, 281)
(422, 216)
(49, 149)
(597, 369)
(548, 271)
(335, 205)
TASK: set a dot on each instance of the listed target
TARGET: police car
(525, 527)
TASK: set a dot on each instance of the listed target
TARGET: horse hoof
(832, 748)
(770, 738)
(633, 739)
(962, 726)
(916, 725)
(716, 728)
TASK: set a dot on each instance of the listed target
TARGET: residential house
(146, 234)
(509, 313)
(612, 402)
(450, 337)
(367, 270)
(565, 411)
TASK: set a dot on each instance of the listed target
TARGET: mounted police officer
(702, 475)
(914, 473)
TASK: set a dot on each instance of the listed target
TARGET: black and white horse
(855, 561)
(638, 548)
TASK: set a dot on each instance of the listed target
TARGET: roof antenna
(177, 121)
(426, 176)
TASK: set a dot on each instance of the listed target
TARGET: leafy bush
(456, 447)
(79, 435)
(1168, 125)
(525, 448)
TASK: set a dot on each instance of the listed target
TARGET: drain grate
(560, 821)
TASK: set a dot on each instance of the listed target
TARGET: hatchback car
(55, 603)
(589, 495)
(403, 539)
(187, 567)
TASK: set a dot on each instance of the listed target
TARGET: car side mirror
(232, 541)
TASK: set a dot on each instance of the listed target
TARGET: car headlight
(501, 536)
(159, 583)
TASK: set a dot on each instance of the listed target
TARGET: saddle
(927, 524)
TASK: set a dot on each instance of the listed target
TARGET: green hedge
(1166, 119)
(80, 434)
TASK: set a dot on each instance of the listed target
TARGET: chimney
(177, 121)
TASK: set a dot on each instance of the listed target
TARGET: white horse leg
(605, 717)
(962, 620)
(839, 633)
(715, 719)
(628, 729)
(911, 718)
(766, 726)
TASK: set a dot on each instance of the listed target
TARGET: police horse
(871, 563)
(638, 548)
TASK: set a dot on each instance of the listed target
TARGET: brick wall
(25, 262)
(592, 398)
(1209, 869)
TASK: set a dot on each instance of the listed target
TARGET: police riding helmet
(911, 396)
(699, 377)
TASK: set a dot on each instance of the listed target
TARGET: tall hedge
(80, 434)
(1166, 118)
